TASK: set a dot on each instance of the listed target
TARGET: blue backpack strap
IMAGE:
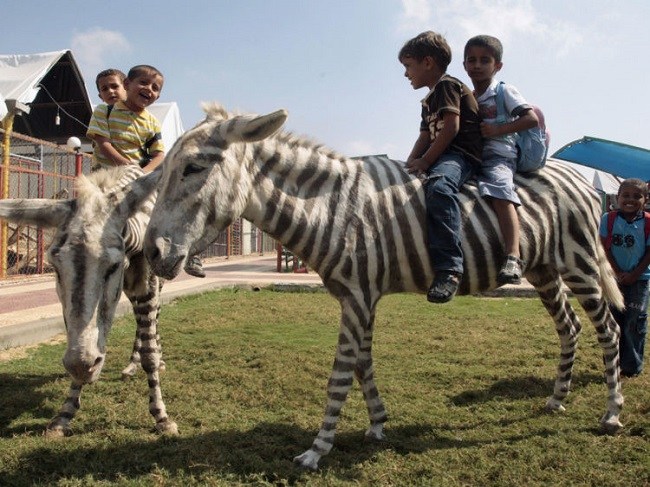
(502, 114)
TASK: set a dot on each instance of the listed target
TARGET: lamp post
(74, 144)
(14, 107)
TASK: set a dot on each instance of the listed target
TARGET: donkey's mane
(215, 111)
(99, 183)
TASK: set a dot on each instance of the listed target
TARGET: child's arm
(450, 128)
(526, 120)
(155, 162)
(421, 145)
(106, 147)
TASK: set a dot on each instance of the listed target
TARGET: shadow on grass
(267, 451)
(522, 388)
(20, 393)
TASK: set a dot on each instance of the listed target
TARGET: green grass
(464, 384)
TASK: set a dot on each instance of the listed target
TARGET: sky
(333, 63)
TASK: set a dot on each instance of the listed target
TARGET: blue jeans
(633, 322)
(445, 179)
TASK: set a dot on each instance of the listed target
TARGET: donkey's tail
(611, 292)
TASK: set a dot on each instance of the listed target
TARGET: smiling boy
(127, 133)
(627, 244)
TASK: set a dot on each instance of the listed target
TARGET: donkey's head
(88, 256)
(206, 185)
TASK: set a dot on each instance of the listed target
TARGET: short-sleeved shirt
(451, 95)
(128, 132)
(515, 105)
(628, 242)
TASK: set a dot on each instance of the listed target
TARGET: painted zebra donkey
(360, 225)
(97, 252)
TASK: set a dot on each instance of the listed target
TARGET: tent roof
(50, 83)
(626, 161)
(169, 117)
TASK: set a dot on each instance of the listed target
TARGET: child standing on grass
(445, 154)
(482, 61)
(628, 251)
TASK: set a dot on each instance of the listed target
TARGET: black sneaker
(510, 273)
(194, 267)
(444, 287)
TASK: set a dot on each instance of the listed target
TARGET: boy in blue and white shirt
(628, 251)
(482, 60)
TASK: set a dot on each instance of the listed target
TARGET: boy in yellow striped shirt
(126, 133)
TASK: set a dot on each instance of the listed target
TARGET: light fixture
(57, 119)
(74, 144)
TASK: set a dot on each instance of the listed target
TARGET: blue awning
(625, 161)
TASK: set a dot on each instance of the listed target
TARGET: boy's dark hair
(109, 72)
(427, 43)
(635, 183)
(490, 43)
(143, 69)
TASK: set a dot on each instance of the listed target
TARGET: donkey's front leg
(59, 426)
(147, 313)
(338, 386)
(134, 362)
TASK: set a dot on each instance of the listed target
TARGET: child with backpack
(482, 60)
(624, 233)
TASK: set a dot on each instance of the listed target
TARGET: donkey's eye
(192, 168)
(111, 270)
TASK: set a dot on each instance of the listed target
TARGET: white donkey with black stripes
(97, 253)
(361, 225)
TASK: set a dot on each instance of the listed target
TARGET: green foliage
(464, 385)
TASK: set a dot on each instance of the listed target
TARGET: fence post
(7, 125)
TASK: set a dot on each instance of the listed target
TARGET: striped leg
(146, 311)
(567, 326)
(340, 381)
(134, 362)
(589, 293)
(59, 426)
(365, 374)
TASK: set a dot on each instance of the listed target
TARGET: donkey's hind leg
(589, 293)
(365, 374)
(567, 325)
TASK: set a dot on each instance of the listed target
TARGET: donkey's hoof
(167, 427)
(554, 406)
(57, 431)
(308, 460)
(610, 424)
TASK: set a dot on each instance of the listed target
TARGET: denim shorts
(496, 179)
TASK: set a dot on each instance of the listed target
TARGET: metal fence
(40, 169)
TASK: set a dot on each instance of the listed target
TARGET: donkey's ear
(258, 128)
(39, 212)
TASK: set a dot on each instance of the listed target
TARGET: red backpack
(611, 216)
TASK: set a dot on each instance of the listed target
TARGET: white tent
(20, 75)
(170, 120)
(51, 84)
